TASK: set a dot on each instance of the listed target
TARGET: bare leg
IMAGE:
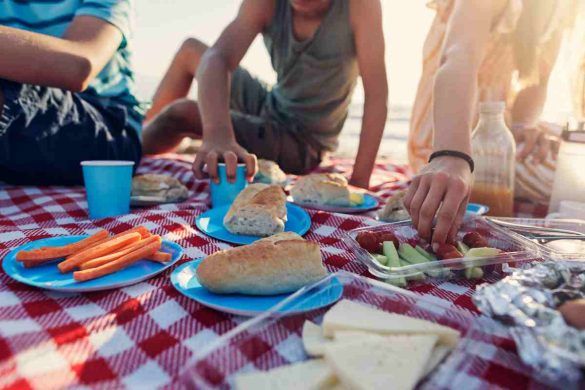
(179, 77)
(165, 132)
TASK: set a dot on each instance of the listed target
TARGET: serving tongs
(541, 234)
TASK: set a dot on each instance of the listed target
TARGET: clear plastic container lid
(514, 248)
(273, 339)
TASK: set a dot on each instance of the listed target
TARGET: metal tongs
(540, 233)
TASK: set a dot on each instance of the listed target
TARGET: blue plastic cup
(224, 192)
(108, 185)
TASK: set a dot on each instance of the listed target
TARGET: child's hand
(230, 153)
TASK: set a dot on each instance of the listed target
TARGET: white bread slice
(312, 374)
(392, 362)
(322, 189)
(313, 340)
(349, 315)
(276, 265)
(437, 356)
(259, 210)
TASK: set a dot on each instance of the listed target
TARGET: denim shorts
(46, 132)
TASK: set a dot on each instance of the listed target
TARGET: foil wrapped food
(528, 301)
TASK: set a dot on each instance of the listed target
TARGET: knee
(193, 48)
(183, 111)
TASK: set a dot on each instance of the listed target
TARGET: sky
(163, 24)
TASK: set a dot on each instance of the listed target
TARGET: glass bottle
(494, 153)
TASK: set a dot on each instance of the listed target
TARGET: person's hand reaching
(442, 189)
(229, 152)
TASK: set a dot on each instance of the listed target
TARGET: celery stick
(411, 255)
(426, 254)
(380, 258)
(462, 247)
(391, 254)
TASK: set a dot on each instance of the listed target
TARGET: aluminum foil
(527, 300)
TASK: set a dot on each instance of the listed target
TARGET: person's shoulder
(362, 11)
(259, 10)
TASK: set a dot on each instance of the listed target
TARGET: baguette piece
(322, 189)
(269, 173)
(259, 210)
(266, 267)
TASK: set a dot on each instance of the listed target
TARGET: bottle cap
(492, 107)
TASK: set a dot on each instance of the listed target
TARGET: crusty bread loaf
(159, 186)
(276, 265)
(269, 173)
(322, 189)
(259, 210)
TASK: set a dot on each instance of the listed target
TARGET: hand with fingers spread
(441, 190)
(229, 152)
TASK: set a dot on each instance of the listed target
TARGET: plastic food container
(555, 249)
(516, 250)
(274, 339)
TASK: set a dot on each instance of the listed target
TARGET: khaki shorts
(258, 133)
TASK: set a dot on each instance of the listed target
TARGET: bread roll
(269, 173)
(259, 210)
(322, 189)
(159, 186)
(277, 265)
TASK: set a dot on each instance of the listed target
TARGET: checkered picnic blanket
(143, 335)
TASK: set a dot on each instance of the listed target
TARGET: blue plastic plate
(478, 209)
(49, 277)
(370, 203)
(211, 223)
(184, 278)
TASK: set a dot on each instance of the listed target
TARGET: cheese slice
(393, 362)
(312, 374)
(349, 315)
(313, 340)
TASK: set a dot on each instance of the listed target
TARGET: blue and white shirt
(52, 17)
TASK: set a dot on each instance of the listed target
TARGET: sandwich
(275, 265)
(259, 210)
(327, 189)
(269, 173)
(163, 188)
(394, 209)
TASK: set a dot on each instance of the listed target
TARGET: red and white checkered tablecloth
(143, 335)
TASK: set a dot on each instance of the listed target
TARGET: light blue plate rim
(370, 203)
(478, 209)
(184, 279)
(296, 215)
(136, 273)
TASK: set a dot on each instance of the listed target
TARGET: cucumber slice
(426, 254)
(411, 255)
(398, 282)
(380, 259)
(418, 277)
(474, 273)
(462, 247)
(482, 252)
(393, 260)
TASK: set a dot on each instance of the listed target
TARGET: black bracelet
(454, 153)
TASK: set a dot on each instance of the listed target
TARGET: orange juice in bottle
(494, 153)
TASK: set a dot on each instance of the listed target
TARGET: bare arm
(213, 77)
(527, 110)
(70, 62)
(444, 184)
(366, 18)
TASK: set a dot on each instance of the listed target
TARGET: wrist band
(454, 153)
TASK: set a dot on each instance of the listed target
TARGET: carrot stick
(118, 264)
(44, 254)
(116, 255)
(160, 257)
(144, 232)
(103, 249)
